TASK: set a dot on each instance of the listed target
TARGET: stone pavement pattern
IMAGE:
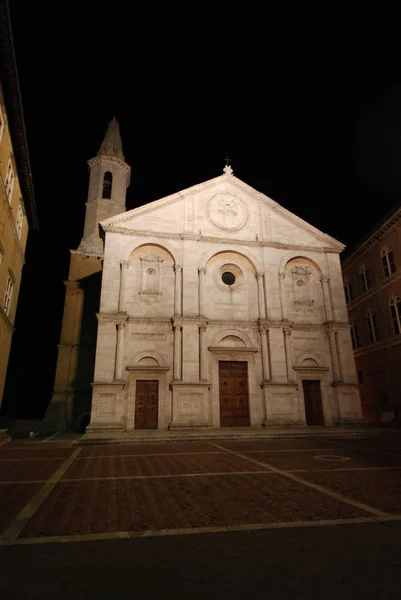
(51, 491)
(304, 518)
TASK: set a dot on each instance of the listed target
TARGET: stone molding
(110, 160)
(116, 318)
(152, 368)
(231, 349)
(216, 240)
(196, 320)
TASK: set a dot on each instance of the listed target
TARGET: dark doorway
(146, 404)
(234, 398)
(313, 402)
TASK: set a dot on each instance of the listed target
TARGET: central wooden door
(313, 402)
(234, 401)
(146, 404)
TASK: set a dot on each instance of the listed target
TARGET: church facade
(218, 308)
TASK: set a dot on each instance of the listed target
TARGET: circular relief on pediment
(227, 212)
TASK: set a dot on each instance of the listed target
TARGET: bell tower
(108, 182)
(109, 178)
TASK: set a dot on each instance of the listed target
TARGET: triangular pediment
(224, 207)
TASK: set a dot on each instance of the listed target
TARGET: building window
(20, 219)
(8, 295)
(2, 123)
(372, 326)
(395, 310)
(354, 335)
(365, 278)
(348, 290)
(388, 261)
(107, 183)
(9, 182)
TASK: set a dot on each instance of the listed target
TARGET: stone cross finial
(227, 169)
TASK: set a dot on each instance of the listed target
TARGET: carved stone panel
(227, 212)
(150, 278)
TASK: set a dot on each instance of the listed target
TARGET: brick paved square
(348, 458)
(30, 470)
(136, 505)
(13, 498)
(278, 444)
(379, 489)
(370, 442)
(22, 453)
(135, 449)
(177, 464)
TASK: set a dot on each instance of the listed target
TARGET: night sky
(305, 100)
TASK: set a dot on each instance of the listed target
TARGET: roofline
(15, 113)
(382, 227)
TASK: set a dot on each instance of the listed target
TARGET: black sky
(305, 99)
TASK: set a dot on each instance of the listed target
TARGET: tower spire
(112, 144)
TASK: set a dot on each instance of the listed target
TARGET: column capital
(287, 331)
(330, 328)
(202, 270)
(259, 275)
(125, 263)
(177, 267)
(324, 279)
(203, 327)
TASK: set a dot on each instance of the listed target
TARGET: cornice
(15, 114)
(218, 240)
(375, 237)
(109, 160)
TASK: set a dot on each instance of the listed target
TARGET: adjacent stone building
(17, 201)
(218, 308)
(372, 280)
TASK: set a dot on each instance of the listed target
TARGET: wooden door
(234, 400)
(146, 404)
(313, 402)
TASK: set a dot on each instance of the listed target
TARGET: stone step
(192, 434)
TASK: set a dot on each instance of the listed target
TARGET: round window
(228, 278)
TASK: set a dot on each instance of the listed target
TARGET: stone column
(265, 354)
(202, 353)
(202, 273)
(334, 355)
(288, 355)
(327, 299)
(281, 277)
(178, 290)
(124, 265)
(118, 370)
(261, 295)
(177, 351)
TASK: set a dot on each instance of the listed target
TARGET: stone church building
(218, 308)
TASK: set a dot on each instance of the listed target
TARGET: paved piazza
(56, 491)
